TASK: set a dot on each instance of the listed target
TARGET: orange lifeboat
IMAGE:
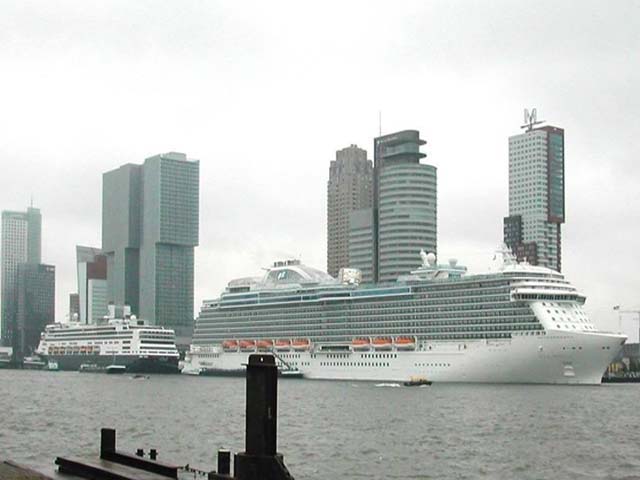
(264, 345)
(405, 343)
(230, 345)
(361, 343)
(247, 345)
(283, 345)
(382, 343)
(301, 344)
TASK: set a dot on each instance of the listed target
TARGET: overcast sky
(264, 93)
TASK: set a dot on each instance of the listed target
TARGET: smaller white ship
(33, 363)
(127, 343)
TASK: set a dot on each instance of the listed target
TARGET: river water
(329, 430)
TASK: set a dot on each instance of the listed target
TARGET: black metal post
(107, 442)
(262, 405)
(224, 461)
(260, 460)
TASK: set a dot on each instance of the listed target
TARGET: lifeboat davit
(405, 343)
(361, 343)
(230, 345)
(264, 345)
(382, 343)
(247, 345)
(301, 344)
(283, 345)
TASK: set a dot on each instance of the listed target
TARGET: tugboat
(417, 382)
(116, 369)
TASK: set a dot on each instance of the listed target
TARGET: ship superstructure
(127, 342)
(517, 323)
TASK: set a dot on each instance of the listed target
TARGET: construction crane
(620, 311)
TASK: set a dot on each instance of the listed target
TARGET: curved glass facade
(407, 212)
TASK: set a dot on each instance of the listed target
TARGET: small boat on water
(116, 369)
(6, 357)
(416, 382)
(91, 368)
(33, 363)
(289, 372)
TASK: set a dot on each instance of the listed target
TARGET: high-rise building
(92, 284)
(536, 194)
(21, 243)
(74, 306)
(150, 221)
(350, 188)
(362, 243)
(405, 205)
(36, 286)
(121, 230)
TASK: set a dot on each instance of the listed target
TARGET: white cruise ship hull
(554, 358)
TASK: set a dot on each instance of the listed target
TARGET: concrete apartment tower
(35, 305)
(536, 194)
(350, 188)
(405, 205)
(21, 243)
(150, 218)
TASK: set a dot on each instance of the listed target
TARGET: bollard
(224, 461)
(260, 461)
(153, 454)
(262, 405)
(140, 452)
(107, 442)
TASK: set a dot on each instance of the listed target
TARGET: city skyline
(464, 96)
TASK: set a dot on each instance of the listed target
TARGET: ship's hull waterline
(133, 363)
(563, 358)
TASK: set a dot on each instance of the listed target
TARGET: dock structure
(259, 461)
(15, 471)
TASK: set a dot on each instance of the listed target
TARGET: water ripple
(333, 429)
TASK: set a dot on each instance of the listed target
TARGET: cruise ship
(518, 323)
(125, 342)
